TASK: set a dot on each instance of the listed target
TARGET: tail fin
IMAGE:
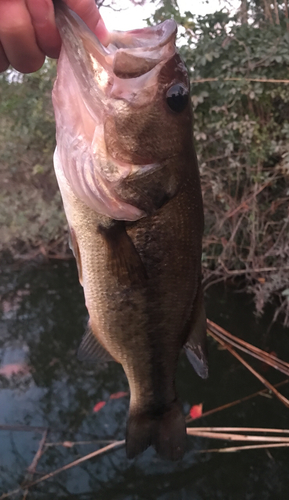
(165, 431)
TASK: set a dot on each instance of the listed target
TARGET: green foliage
(242, 141)
(31, 209)
(241, 134)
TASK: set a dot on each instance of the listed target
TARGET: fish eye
(177, 97)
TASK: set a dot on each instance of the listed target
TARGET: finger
(102, 32)
(87, 10)
(4, 63)
(47, 36)
(18, 38)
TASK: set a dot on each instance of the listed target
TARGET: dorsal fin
(91, 350)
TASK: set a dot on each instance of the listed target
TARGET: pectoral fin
(195, 346)
(91, 350)
(123, 258)
(150, 187)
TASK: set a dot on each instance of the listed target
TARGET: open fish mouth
(129, 55)
(139, 51)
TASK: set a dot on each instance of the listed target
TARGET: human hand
(28, 31)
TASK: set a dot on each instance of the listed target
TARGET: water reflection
(43, 318)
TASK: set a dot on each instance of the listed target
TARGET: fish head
(151, 117)
(120, 110)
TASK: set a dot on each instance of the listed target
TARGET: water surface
(43, 318)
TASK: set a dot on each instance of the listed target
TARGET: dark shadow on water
(43, 318)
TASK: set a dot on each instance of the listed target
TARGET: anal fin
(196, 346)
(91, 350)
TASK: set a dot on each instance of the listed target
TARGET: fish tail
(165, 431)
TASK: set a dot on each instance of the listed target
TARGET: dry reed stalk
(233, 436)
(231, 449)
(109, 447)
(249, 367)
(70, 444)
(261, 430)
(32, 467)
(245, 203)
(250, 349)
(208, 432)
(234, 403)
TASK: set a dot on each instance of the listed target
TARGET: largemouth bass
(128, 175)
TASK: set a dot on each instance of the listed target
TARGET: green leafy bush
(31, 209)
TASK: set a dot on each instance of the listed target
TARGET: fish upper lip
(145, 39)
(154, 43)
